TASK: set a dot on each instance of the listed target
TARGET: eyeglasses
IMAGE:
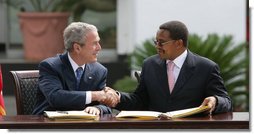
(162, 43)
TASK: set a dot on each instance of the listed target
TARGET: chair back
(26, 84)
(137, 75)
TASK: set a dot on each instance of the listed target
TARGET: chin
(94, 60)
(162, 56)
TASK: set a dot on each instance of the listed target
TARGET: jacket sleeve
(51, 85)
(103, 109)
(216, 88)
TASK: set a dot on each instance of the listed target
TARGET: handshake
(107, 96)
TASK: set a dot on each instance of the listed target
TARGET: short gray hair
(76, 32)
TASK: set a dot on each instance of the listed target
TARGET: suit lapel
(68, 72)
(163, 79)
(87, 77)
(185, 73)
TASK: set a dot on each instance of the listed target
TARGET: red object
(2, 107)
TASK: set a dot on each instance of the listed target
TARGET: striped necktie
(79, 73)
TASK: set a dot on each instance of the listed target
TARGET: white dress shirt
(75, 67)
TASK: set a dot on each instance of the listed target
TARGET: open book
(149, 115)
(70, 115)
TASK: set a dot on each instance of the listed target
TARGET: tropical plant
(140, 53)
(135, 61)
(231, 58)
(76, 7)
(233, 62)
(126, 84)
(41, 5)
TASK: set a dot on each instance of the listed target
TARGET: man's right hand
(107, 96)
(112, 97)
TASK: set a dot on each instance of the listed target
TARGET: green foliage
(231, 58)
(233, 62)
(76, 7)
(41, 5)
(80, 6)
(140, 53)
(127, 84)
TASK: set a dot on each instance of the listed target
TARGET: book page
(69, 115)
(148, 115)
(139, 114)
(187, 112)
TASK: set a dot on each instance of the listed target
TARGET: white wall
(200, 16)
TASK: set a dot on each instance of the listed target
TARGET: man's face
(165, 46)
(89, 52)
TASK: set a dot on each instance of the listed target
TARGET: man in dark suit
(176, 78)
(74, 80)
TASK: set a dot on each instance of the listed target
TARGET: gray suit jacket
(199, 78)
(57, 85)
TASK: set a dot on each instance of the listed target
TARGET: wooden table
(235, 120)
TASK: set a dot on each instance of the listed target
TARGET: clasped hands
(107, 96)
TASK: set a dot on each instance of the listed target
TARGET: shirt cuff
(88, 97)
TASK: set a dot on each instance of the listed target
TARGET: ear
(180, 43)
(76, 47)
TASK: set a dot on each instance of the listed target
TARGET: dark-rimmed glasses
(162, 43)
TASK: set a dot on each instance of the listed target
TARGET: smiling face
(89, 51)
(171, 39)
(169, 48)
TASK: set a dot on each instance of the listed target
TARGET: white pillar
(251, 21)
(125, 26)
(251, 45)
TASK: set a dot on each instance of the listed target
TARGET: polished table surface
(231, 120)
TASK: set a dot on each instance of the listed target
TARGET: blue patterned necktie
(79, 73)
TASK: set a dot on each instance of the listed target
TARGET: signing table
(231, 120)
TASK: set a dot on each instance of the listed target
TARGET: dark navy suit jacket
(57, 85)
(199, 78)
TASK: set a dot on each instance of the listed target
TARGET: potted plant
(42, 23)
(41, 27)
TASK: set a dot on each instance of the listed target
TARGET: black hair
(177, 31)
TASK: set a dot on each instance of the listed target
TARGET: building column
(125, 26)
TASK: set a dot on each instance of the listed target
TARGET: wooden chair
(26, 84)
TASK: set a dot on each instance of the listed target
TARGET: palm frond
(140, 53)
(230, 58)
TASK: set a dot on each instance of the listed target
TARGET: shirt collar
(74, 64)
(179, 60)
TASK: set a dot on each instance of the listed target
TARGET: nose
(157, 46)
(98, 46)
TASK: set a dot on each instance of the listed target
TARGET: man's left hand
(92, 110)
(210, 102)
